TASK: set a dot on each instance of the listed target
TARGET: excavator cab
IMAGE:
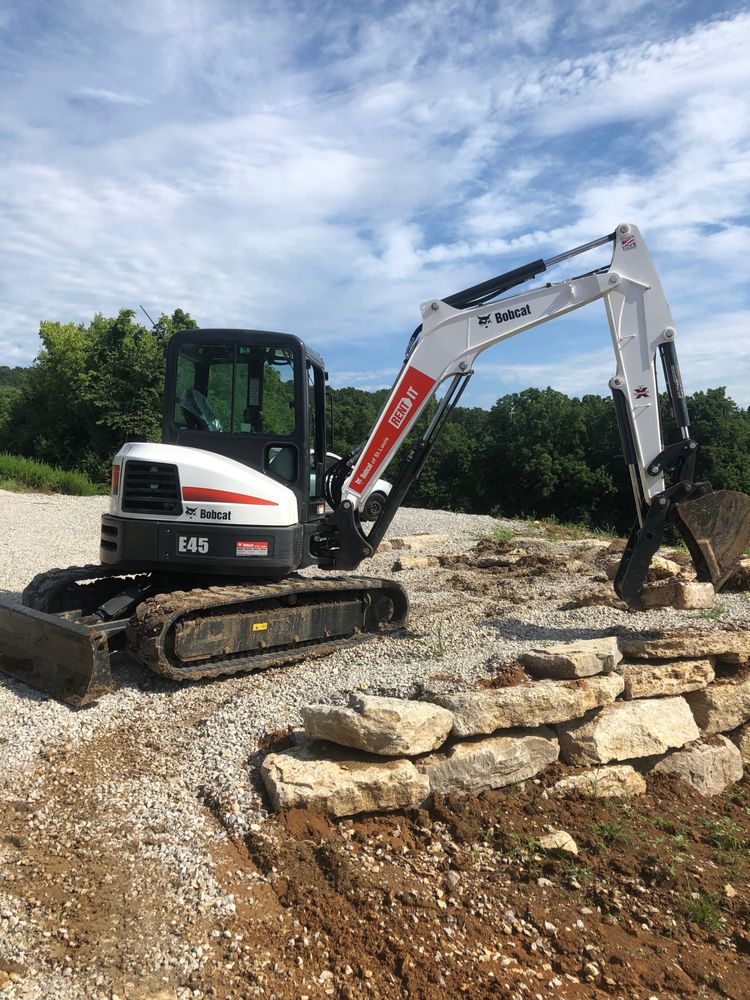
(255, 397)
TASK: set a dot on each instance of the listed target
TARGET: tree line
(535, 453)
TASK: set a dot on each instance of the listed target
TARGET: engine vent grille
(151, 488)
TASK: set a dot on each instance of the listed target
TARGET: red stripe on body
(407, 398)
(223, 496)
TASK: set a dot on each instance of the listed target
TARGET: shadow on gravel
(514, 628)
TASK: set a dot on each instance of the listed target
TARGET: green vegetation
(90, 389)
(536, 454)
(712, 614)
(704, 909)
(22, 474)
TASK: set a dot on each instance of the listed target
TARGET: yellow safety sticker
(260, 626)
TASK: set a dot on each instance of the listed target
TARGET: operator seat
(199, 412)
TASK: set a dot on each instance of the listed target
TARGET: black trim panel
(175, 547)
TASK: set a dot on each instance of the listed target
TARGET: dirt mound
(461, 900)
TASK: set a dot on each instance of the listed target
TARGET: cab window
(235, 389)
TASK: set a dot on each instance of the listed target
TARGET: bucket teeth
(716, 529)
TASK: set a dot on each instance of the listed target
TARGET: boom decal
(411, 392)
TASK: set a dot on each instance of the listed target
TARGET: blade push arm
(455, 331)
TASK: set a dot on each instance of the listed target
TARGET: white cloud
(326, 169)
(110, 97)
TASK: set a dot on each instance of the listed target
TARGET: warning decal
(251, 549)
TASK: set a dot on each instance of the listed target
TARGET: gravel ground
(133, 794)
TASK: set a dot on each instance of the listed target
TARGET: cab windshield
(235, 389)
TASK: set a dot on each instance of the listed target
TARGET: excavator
(207, 529)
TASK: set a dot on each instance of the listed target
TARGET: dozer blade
(63, 658)
(716, 529)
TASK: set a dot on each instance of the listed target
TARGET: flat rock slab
(392, 727)
(741, 739)
(341, 783)
(709, 765)
(613, 781)
(654, 680)
(480, 764)
(627, 730)
(682, 594)
(539, 704)
(723, 705)
(570, 660)
(730, 647)
(415, 562)
(412, 542)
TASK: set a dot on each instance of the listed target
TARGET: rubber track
(148, 630)
(44, 592)
(61, 590)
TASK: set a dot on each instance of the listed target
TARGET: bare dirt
(455, 900)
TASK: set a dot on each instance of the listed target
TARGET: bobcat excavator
(207, 529)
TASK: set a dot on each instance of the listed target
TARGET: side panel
(214, 489)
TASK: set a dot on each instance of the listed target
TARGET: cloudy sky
(323, 167)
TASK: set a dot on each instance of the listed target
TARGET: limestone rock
(740, 579)
(415, 562)
(609, 782)
(601, 595)
(741, 739)
(480, 764)
(578, 658)
(723, 705)
(709, 765)
(651, 680)
(392, 727)
(538, 704)
(660, 569)
(415, 542)
(341, 783)
(730, 647)
(558, 840)
(682, 594)
(663, 569)
(626, 730)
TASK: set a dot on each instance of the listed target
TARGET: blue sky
(322, 168)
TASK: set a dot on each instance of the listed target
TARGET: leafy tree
(90, 389)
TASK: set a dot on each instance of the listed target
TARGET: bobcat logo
(485, 320)
(191, 511)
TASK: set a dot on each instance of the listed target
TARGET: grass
(712, 614)
(607, 834)
(551, 529)
(500, 534)
(704, 909)
(22, 475)
(726, 835)
(555, 530)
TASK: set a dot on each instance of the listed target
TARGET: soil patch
(460, 900)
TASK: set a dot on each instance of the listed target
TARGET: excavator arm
(456, 330)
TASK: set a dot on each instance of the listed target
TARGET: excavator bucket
(716, 529)
(66, 659)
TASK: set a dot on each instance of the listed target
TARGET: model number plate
(191, 544)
